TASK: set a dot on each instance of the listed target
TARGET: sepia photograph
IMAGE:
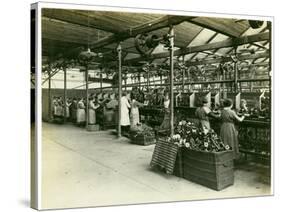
(137, 106)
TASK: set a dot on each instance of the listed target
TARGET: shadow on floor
(25, 202)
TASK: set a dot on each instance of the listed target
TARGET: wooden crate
(164, 155)
(142, 139)
(213, 170)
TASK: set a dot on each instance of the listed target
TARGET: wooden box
(142, 139)
(211, 169)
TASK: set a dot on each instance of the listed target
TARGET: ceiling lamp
(86, 56)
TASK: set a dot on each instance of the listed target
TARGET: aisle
(94, 168)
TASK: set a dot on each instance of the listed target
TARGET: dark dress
(228, 132)
(73, 109)
(166, 123)
(202, 114)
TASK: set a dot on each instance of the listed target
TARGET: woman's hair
(227, 102)
(133, 96)
(124, 93)
(204, 100)
(243, 101)
(96, 99)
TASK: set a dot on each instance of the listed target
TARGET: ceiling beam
(222, 44)
(208, 41)
(242, 34)
(228, 59)
(220, 27)
(223, 26)
(74, 17)
(143, 28)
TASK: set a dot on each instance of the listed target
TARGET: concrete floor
(81, 169)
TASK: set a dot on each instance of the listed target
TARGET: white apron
(81, 115)
(125, 119)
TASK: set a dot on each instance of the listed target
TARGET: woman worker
(93, 105)
(135, 116)
(166, 122)
(228, 132)
(203, 113)
(125, 119)
(81, 114)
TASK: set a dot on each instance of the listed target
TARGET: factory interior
(150, 107)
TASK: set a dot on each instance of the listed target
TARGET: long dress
(55, 107)
(135, 116)
(81, 114)
(59, 110)
(125, 119)
(166, 122)
(92, 112)
(228, 132)
(110, 111)
(67, 112)
(202, 114)
(73, 108)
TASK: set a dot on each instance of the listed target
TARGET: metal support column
(183, 77)
(87, 95)
(147, 75)
(125, 81)
(171, 49)
(119, 50)
(101, 80)
(269, 25)
(49, 95)
(223, 85)
(64, 93)
(235, 77)
(139, 80)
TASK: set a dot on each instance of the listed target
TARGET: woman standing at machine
(73, 109)
(135, 116)
(93, 105)
(110, 109)
(125, 118)
(166, 122)
(81, 114)
(203, 113)
(67, 112)
(228, 132)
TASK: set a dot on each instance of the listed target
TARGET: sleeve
(233, 115)
(96, 106)
(139, 104)
(207, 110)
(127, 103)
(196, 113)
(83, 106)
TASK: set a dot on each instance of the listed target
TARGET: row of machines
(254, 131)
